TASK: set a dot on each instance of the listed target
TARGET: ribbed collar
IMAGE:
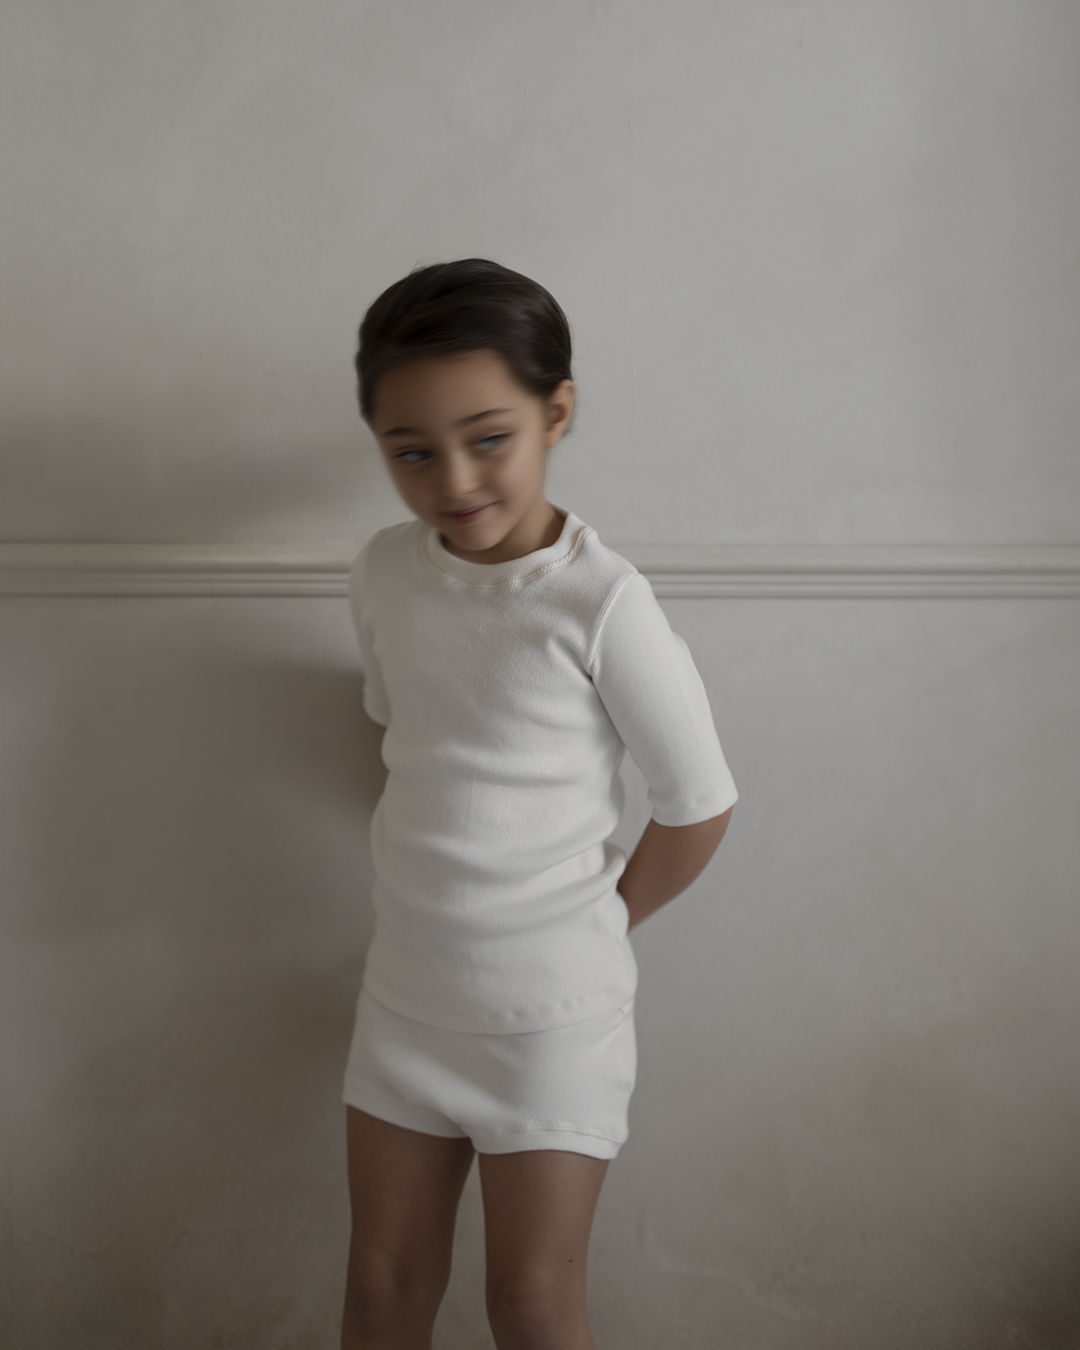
(503, 573)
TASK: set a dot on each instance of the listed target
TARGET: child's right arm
(376, 704)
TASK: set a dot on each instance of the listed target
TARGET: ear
(560, 405)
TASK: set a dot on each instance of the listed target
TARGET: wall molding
(676, 571)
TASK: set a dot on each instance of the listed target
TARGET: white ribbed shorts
(508, 1092)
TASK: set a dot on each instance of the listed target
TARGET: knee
(536, 1311)
(383, 1297)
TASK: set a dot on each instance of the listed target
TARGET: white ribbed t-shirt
(509, 692)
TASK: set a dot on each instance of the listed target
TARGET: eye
(401, 456)
(490, 442)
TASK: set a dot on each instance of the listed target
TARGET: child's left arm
(667, 859)
(647, 681)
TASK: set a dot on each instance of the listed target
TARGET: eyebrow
(464, 422)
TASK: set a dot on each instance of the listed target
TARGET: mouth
(464, 517)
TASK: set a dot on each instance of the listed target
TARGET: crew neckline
(502, 573)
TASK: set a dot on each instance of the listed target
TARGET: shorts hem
(565, 1141)
(525, 1140)
(409, 1117)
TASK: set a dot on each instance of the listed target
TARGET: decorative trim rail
(676, 571)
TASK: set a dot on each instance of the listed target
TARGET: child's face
(459, 432)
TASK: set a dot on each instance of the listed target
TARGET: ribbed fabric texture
(510, 692)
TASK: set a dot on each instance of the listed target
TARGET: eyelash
(498, 437)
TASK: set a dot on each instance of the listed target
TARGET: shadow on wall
(186, 913)
(857, 1119)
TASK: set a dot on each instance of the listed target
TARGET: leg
(538, 1213)
(404, 1189)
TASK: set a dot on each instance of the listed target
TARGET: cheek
(528, 460)
(520, 472)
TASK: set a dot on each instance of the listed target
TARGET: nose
(460, 478)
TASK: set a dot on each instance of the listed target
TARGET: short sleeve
(376, 704)
(651, 689)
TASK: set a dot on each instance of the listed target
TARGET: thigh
(404, 1189)
(538, 1214)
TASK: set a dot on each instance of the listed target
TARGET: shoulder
(622, 609)
(375, 576)
(382, 548)
(615, 580)
(596, 568)
(598, 582)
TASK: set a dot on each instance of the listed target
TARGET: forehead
(435, 390)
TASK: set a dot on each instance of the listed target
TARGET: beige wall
(821, 263)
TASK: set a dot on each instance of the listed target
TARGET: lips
(465, 516)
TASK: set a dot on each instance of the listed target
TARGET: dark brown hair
(465, 306)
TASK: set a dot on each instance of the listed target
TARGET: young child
(512, 658)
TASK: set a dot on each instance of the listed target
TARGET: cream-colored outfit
(509, 693)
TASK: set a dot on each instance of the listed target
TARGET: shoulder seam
(603, 617)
